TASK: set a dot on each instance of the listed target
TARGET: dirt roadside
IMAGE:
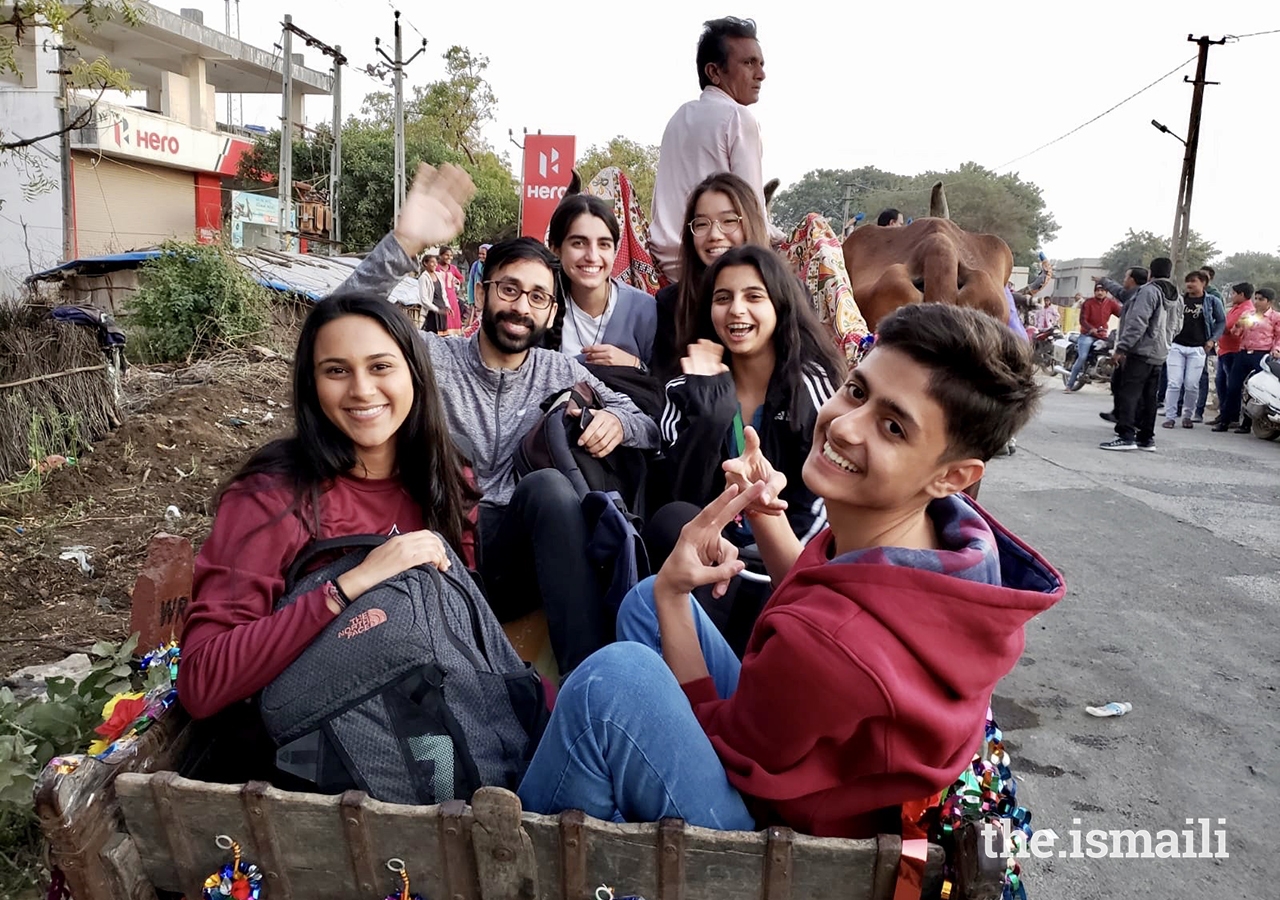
(185, 430)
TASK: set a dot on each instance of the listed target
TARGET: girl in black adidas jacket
(761, 361)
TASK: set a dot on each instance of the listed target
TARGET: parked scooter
(1042, 348)
(1262, 399)
(1099, 366)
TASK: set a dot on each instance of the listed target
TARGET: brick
(162, 592)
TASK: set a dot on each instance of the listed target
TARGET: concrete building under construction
(148, 167)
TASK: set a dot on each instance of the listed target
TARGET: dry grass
(49, 414)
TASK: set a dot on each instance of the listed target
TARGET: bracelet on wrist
(334, 592)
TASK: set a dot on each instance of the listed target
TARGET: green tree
(823, 191)
(459, 104)
(638, 161)
(1138, 248)
(1258, 268)
(979, 200)
(442, 125)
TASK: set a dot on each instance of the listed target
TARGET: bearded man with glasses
(532, 535)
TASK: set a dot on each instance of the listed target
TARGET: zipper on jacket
(497, 418)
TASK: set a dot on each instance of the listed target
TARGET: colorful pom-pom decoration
(238, 879)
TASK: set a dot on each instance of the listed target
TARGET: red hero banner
(548, 168)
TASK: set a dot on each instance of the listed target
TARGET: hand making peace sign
(702, 555)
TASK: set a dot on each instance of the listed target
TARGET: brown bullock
(932, 260)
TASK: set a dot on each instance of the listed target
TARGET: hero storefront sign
(548, 169)
(157, 139)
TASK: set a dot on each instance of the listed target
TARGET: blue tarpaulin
(313, 277)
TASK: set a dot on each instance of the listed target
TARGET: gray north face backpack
(412, 694)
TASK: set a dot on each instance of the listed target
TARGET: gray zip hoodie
(1150, 320)
(492, 409)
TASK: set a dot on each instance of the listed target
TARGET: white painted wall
(26, 110)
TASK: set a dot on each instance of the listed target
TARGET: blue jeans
(1084, 343)
(1204, 390)
(1185, 366)
(623, 744)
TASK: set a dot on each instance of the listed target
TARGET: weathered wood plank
(504, 854)
(671, 859)
(440, 847)
(573, 856)
(123, 868)
(459, 867)
(172, 816)
(777, 864)
(358, 844)
(262, 838)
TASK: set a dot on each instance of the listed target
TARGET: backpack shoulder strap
(309, 553)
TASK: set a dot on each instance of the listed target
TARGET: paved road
(1173, 604)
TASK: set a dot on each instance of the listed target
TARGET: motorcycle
(1042, 348)
(1099, 367)
(1262, 399)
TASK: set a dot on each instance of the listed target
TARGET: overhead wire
(1178, 68)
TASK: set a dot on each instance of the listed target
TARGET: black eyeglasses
(511, 292)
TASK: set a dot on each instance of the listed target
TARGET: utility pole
(64, 141)
(397, 67)
(1181, 237)
(335, 169)
(227, 3)
(335, 166)
(848, 197)
(285, 183)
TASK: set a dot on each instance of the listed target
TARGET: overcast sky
(905, 86)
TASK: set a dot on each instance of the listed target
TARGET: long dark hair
(430, 466)
(692, 269)
(562, 219)
(799, 341)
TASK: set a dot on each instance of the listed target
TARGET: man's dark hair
(1161, 267)
(1267, 294)
(981, 373)
(887, 216)
(1197, 276)
(1245, 288)
(1210, 271)
(713, 46)
(1140, 275)
(515, 249)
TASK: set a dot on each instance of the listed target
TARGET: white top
(427, 291)
(714, 133)
(582, 330)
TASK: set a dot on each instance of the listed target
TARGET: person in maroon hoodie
(370, 454)
(867, 678)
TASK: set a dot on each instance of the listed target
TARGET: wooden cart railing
(133, 830)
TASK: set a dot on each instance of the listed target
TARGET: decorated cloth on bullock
(634, 264)
(818, 257)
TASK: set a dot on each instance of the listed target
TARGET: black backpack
(553, 444)
(412, 694)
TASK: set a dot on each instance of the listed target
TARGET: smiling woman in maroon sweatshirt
(370, 454)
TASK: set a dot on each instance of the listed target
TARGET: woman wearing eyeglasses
(601, 321)
(722, 213)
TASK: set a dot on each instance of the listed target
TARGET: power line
(1239, 37)
(408, 20)
(1182, 65)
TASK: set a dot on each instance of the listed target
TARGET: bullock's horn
(770, 188)
(938, 202)
(575, 185)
